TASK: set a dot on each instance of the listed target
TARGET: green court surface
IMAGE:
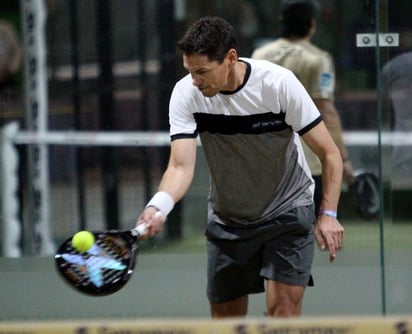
(170, 281)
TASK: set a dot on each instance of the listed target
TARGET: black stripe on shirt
(310, 126)
(183, 136)
(251, 124)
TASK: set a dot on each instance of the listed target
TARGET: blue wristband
(329, 213)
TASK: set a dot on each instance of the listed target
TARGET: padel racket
(106, 267)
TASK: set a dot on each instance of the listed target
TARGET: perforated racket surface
(106, 267)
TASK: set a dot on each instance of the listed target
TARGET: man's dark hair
(209, 36)
(297, 18)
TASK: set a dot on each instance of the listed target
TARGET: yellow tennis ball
(83, 241)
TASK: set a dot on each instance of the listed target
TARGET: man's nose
(196, 80)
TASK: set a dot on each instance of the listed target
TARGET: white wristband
(163, 202)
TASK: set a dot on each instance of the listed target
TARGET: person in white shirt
(249, 115)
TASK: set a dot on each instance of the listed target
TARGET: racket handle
(140, 229)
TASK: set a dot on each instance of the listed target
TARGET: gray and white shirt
(251, 142)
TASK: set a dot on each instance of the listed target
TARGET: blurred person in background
(10, 64)
(10, 54)
(397, 87)
(315, 69)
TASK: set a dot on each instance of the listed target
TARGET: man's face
(209, 77)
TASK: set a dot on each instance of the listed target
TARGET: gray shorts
(240, 259)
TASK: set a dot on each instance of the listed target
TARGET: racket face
(104, 268)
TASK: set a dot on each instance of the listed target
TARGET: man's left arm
(329, 232)
(333, 123)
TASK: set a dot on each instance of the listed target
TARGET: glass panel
(339, 24)
(396, 89)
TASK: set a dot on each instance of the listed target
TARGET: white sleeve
(298, 106)
(181, 117)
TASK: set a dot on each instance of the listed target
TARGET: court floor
(170, 285)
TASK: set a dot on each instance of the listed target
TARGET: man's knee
(234, 308)
(284, 309)
(284, 300)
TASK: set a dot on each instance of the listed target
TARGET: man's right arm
(179, 173)
(173, 186)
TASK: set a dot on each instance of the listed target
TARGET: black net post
(167, 79)
(106, 112)
(74, 41)
(143, 86)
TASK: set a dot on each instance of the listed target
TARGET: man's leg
(233, 308)
(284, 300)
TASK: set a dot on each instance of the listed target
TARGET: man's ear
(232, 56)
